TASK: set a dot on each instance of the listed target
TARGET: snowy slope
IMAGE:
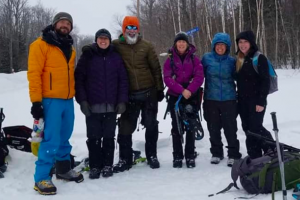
(141, 182)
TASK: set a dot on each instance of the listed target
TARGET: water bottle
(38, 130)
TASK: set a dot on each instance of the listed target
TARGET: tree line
(20, 25)
(276, 24)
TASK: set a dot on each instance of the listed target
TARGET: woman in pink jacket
(183, 75)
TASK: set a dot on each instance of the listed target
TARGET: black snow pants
(100, 133)
(218, 115)
(253, 121)
(145, 103)
(189, 113)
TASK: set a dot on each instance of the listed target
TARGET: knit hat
(249, 36)
(103, 32)
(62, 15)
(181, 36)
(130, 20)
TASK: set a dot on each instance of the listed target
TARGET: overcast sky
(89, 15)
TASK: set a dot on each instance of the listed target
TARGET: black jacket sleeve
(263, 71)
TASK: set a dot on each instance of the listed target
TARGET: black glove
(121, 107)
(160, 95)
(37, 110)
(85, 108)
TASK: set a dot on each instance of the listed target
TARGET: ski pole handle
(274, 119)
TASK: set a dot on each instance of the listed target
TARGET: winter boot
(177, 163)
(153, 162)
(230, 162)
(121, 166)
(95, 153)
(3, 168)
(190, 163)
(64, 172)
(151, 137)
(95, 173)
(108, 155)
(215, 160)
(177, 160)
(45, 187)
(125, 153)
(107, 171)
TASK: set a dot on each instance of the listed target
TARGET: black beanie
(250, 37)
(60, 16)
(181, 36)
(103, 32)
(246, 35)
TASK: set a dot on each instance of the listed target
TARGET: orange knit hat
(130, 20)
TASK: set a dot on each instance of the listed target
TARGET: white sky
(89, 15)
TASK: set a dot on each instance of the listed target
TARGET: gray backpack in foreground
(262, 175)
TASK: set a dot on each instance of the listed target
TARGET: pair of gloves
(86, 110)
(38, 112)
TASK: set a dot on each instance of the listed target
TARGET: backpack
(17, 137)
(272, 73)
(262, 175)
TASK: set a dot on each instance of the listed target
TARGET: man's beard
(131, 40)
(61, 33)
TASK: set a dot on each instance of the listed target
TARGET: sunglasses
(131, 27)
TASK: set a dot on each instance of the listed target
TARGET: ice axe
(280, 155)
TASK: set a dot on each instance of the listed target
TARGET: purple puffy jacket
(188, 73)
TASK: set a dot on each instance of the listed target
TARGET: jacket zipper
(105, 88)
(134, 70)
(50, 81)
(220, 69)
(68, 69)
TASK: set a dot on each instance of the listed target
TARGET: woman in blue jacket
(220, 107)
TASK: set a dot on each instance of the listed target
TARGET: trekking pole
(280, 155)
(178, 118)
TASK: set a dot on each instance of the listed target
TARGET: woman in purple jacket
(183, 75)
(101, 85)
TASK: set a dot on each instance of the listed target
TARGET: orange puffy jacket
(49, 74)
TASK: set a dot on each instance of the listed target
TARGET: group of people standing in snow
(124, 77)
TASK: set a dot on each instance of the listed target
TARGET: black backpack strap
(226, 189)
(172, 65)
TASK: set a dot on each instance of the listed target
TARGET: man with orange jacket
(51, 87)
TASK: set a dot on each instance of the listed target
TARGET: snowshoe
(137, 158)
(199, 135)
(296, 192)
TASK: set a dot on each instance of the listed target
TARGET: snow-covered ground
(141, 182)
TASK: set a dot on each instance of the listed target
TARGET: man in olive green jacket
(146, 90)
